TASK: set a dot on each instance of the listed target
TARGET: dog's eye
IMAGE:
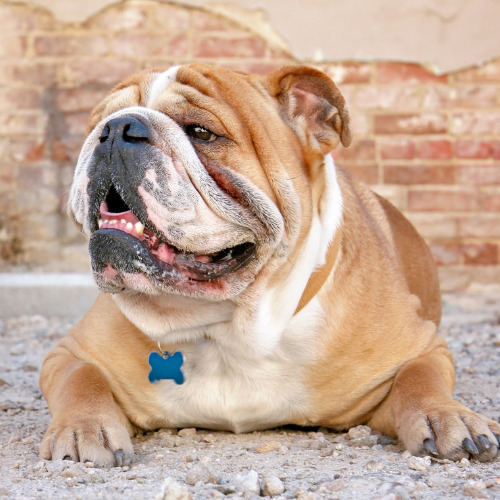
(200, 133)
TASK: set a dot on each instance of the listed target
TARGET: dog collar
(318, 278)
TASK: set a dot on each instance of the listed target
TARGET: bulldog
(246, 281)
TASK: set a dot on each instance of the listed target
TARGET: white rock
(358, 431)
(248, 482)
(272, 486)
(173, 490)
(421, 464)
(187, 432)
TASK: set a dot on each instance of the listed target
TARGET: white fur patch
(160, 83)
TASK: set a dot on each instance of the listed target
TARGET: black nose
(127, 129)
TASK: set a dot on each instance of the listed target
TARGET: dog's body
(226, 233)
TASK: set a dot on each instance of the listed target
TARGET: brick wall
(429, 143)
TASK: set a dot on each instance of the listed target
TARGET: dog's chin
(123, 260)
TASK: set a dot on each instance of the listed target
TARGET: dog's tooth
(113, 222)
(139, 227)
(123, 221)
(100, 222)
(129, 226)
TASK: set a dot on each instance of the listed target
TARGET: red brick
(477, 123)
(75, 124)
(490, 199)
(150, 45)
(435, 149)
(204, 21)
(444, 96)
(19, 98)
(59, 151)
(479, 174)
(74, 46)
(258, 68)
(27, 150)
(82, 99)
(406, 73)
(480, 253)
(384, 97)
(27, 72)
(425, 123)
(12, 46)
(364, 173)
(26, 124)
(96, 71)
(30, 176)
(419, 174)
(435, 226)
(364, 149)
(495, 150)
(217, 47)
(348, 72)
(443, 200)
(473, 148)
(446, 254)
(8, 177)
(67, 149)
(489, 72)
(396, 148)
(479, 226)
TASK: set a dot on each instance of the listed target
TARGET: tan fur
(371, 354)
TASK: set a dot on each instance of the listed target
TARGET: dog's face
(192, 180)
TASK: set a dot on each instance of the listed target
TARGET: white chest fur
(224, 389)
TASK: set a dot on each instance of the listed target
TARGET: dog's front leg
(421, 411)
(87, 424)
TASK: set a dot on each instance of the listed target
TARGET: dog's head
(192, 179)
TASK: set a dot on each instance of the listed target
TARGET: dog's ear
(312, 105)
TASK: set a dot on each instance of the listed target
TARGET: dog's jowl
(271, 286)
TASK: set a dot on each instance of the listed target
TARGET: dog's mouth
(125, 244)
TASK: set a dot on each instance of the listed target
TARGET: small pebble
(333, 486)
(421, 464)
(173, 490)
(358, 432)
(373, 465)
(475, 489)
(368, 441)
(191, 431)
(203, 473)
(247, 482)
(272, 486)
(268, 447)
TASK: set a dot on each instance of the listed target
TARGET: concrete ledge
(64, 294)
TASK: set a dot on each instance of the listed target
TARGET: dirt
(279, 463)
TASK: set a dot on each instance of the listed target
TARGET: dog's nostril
(135, 131)
(104, 134)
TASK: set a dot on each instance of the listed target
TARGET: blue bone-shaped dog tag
(166, 367)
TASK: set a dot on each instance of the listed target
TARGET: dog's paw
(450, 430)
(105, 442)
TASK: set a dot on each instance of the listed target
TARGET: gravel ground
(281, 463)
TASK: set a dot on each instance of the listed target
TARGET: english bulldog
(246, 281)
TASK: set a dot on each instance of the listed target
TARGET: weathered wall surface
(431, 143)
